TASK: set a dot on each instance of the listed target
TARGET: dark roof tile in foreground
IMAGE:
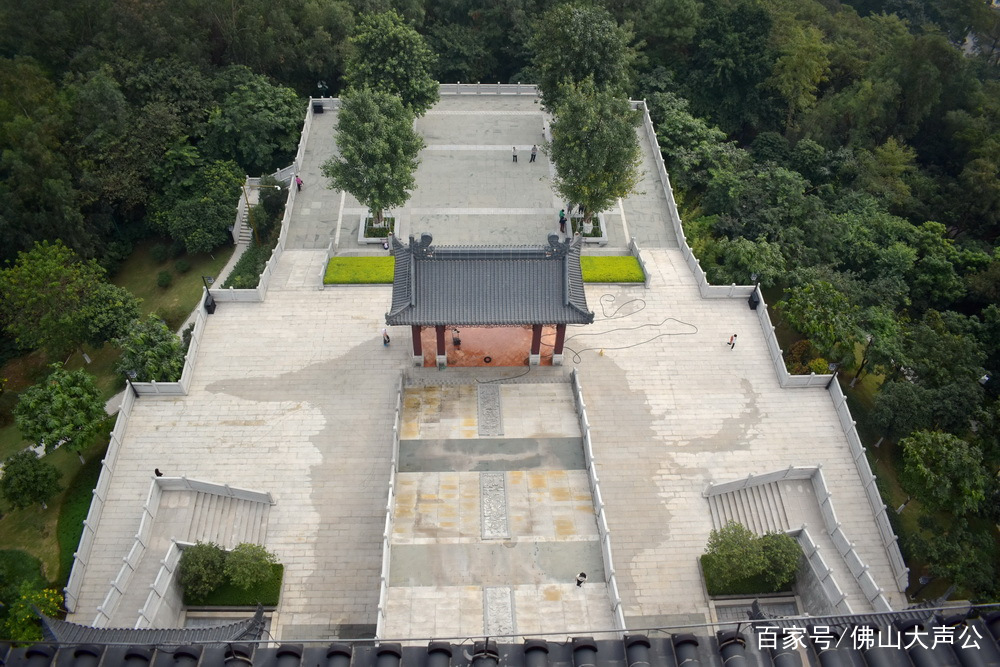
(828, 643)
(488, 285)
(64, 632)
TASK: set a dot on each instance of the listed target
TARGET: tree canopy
(63, 409)
(390, 56)
(943, 471)
(27, 479)
(378, 150)
(594, 147)
(150, 352)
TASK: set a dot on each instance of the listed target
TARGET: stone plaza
(295, 396)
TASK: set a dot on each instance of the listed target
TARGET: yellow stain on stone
(565, 528)
(552, 594)
(410, 430)
(561, 493)
(537, 480)
(404, 512)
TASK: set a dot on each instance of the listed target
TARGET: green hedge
(612, 269)
(228, 595)
(359, 270)
(756, 585)
(246, 272)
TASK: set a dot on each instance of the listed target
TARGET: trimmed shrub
(248, 564)
(266, 593)
(738, 562)
(182, 266)
(202, 569)
(159, 253)
(359, 270)
(164, 278)
(611, 269)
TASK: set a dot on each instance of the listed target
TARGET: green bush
(228, 595)
(248, 565)
(359, 270)
(164, 278)
(202, 569)
(246, 272)
(371, 231)
(16, 568)
(159, 253)
(182, 266)
(738, 562)
(611, 269)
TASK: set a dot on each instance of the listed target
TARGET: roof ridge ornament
(423, 247)
(557, 248)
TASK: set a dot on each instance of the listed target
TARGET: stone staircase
(246, 232)
(760, 508)
(228, 521)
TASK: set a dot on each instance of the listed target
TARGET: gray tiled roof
(488, 285)
(65, 632)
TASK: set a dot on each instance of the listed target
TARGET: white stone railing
(836, 597)
(201, 486)
(859, 570)
(633, 248)
(81, 557)
(390, 515)
(131, 562)
(163, 596)
(488, 89)
(602, 521)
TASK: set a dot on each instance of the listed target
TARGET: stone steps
(760, 508)
(228, 521)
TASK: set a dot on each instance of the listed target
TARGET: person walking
(534, 152)
(514, 149)
(385, 338)
(562, 221)
(732, 342)
(581, 579)
(298, 183)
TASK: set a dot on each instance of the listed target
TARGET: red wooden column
(442, 356)
(418, 349)
(536, 345)
(557, 350)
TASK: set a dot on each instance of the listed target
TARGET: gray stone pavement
(295, 396)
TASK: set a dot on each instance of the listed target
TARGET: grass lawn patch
(75, 506)
(611, 269)
(359, 271)
(228, 595)
(33, 529)
(138, 275)
(756, 585)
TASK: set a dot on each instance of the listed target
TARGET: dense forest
(846, 155)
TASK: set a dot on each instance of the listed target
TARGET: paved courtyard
(296, 395)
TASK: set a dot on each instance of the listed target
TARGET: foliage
(389, 56)
(182, 266)
(735, 558)
(16, 568)
(744, 262)
(228, 595)
(22, 623)
(359, 270)
(151, 351)
(202, 569)
(594, 147)
(249, 565)
(611, 269)
(955, 550)
(380, 231)
(74, 509)
(826, 316)
(246, 272)
(943, 471)
(378, 150)
(163, 279)
(28, 480)
(64, 410)
(53, 300)
(159, 252)
(574, 42)
(256, 125)
(199, 210)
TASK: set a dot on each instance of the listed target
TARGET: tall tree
(199, 208)
(594, 147)
(378, 150)
(27, 479)
(65, 409)
(826, 317)
(257, 125)
(574, 42)
(942, 470)
(54, 301)
(390, 56)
